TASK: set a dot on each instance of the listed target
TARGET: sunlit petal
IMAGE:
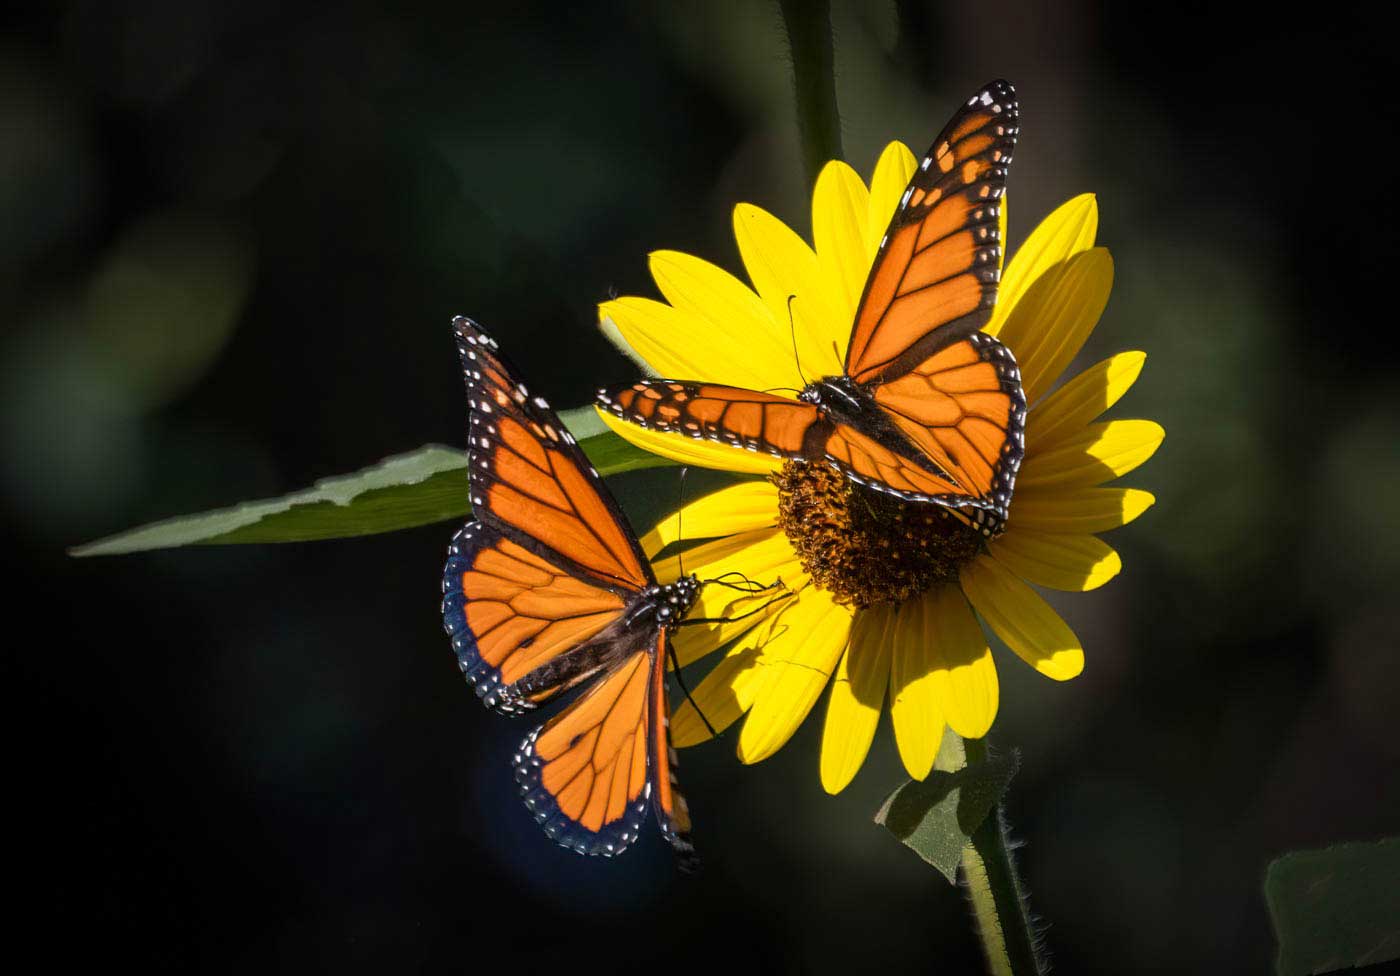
(761, 555)
(1071, 228)
(690, 450)
(733, 317)
(738, 508)
(1080, 401)
(1022, 619)
(796, 665)
(853, 710)
(964, 676)
(1079, 511)
(840, 214)
(892, 174)
(1098, 453)
(914, 708)
(1054, 316)
(783, 266)
(1062, 562)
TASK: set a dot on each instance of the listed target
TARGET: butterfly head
(674, 600)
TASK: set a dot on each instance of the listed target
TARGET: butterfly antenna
(792, 328)
(836, 351)
(676, 670)
(680, 512)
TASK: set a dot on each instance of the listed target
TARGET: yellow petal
(614, 335)
(1024, 621)
(1053, 317)
(738, 508)
(1098, 453)
(1060, 236)
(853, 710)
(1079, 511)
(964, 677)
(689, 450)
(840, 213)
(732, 686)
(763, 556)
(781, 265)
(726, 693)
(1063, 562)
(796, 665)
(892, 174)
(649, 329)
(1077, 403)
(738, 332)
(914, 708)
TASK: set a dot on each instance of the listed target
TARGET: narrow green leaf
(936, 818)
(1336, 908)
(424, 486)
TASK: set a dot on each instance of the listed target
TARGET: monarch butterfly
(548, 589)
(927, 408)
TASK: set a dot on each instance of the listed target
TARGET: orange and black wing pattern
(511, 612)
(935, 275)
(541, 594)
(964, 410)
(727, 414)
(589, 774)
(549, 563)
(530, 480)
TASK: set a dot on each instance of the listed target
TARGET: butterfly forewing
(728, 414)
(530, 479)
(935, 275)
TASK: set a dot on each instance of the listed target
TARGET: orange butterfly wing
(728, 414)
(964, 409)
(589, 773)
(530, 480)
(935, 275)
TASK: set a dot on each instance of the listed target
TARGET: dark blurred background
(231, 240)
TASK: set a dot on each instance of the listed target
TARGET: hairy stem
(994, 889)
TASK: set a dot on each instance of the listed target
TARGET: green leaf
(424, 486)
(1335, 908)
(936, 818)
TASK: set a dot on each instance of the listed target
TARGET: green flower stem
(995, 891)
(808, 24)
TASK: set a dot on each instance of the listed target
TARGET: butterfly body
(841, 400)
(547, 590)
(928, 407)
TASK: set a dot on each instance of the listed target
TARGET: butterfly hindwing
(672, 812)
(585, 773)
(964, 409)
(935, 275)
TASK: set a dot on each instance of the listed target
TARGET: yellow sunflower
(915, 638)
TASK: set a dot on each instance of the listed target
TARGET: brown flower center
(863, 546)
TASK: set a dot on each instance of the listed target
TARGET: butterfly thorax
(844, 401)
(662, 605)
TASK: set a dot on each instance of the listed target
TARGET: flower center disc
(866, 547)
